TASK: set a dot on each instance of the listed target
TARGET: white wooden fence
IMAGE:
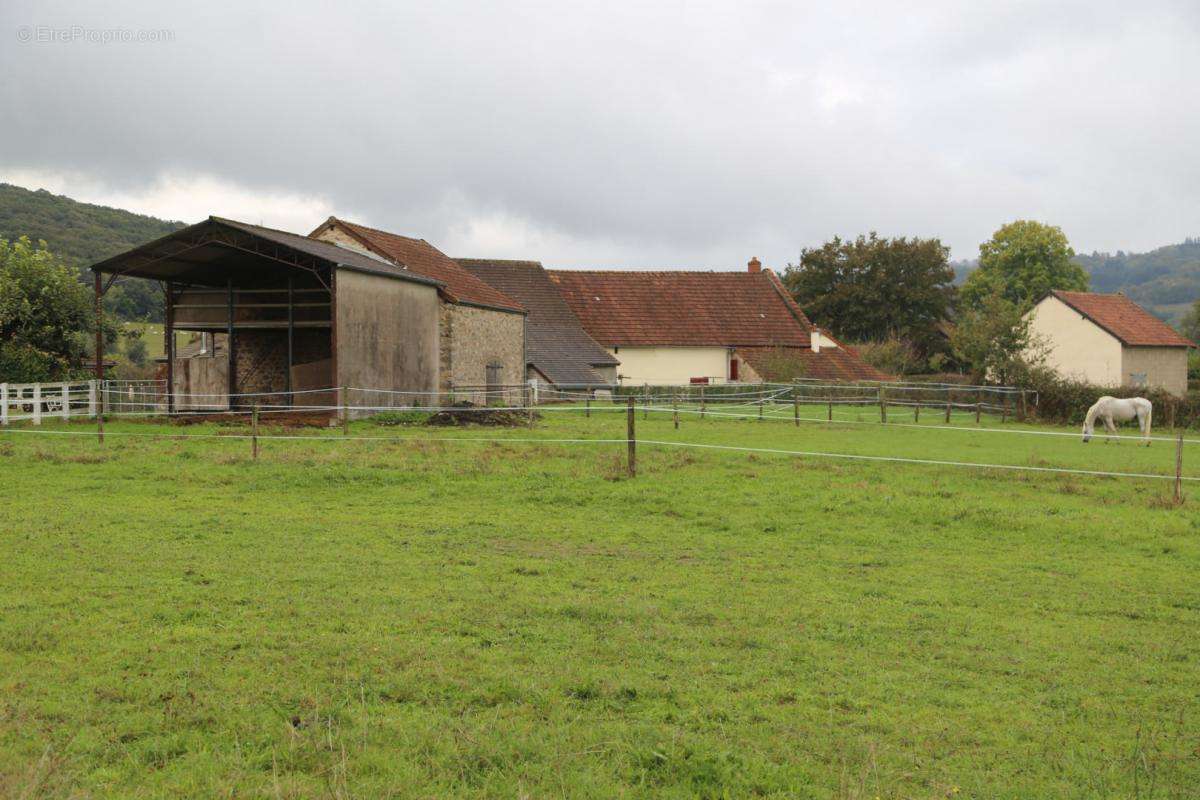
(33, 401)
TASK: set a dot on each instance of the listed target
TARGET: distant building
(1109, 340)
(557, 348)
(683, 326)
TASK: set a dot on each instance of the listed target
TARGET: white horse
(1111, 410)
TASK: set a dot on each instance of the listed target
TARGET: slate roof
(1124, 319)
(419, 256)
(557, 346)
(683, 308)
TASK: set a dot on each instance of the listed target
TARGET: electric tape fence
(771, 402)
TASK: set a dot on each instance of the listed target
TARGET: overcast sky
(682, 135)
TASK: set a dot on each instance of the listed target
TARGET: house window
(1137, 379)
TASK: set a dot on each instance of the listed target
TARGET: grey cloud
(687, 133)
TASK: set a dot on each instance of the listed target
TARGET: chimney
(754, 264)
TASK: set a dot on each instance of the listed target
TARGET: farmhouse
(558, 350)
(1109, 340)
(670, 327)
(287, 315)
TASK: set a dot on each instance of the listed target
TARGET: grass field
(424, 617)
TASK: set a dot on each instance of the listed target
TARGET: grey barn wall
(387, 336)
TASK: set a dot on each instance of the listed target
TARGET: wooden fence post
(1171, 414)
(631, 438)
(1179, 469)
(100, 426)
(701, 401)
(587, 405)
(796, 406)
(978, 408)
(254, 432)
(675, 410)
(917, 412)
(761, 403)
(882, 406)
(829, 412)
(947, 409)
(92, 398)
(646, 401)
(37, 404)
(1021, 409)
(343, 395)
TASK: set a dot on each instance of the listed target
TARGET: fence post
(530, 399)
(646, 401)
(882, 406)
(37, 404)
(254, 432)
(631, 438)
(978, 408)
(92, 398)
(675, 409)
(796, 405)
(343, 394)
(1179, 469)
(761, 403)
(3, 403)
(947, 408)
(917, 412)
(701, 401)
(1171, 414)
(587, 405)
(100, 426)
(829, 412)
(1021, 410)
(66, 401)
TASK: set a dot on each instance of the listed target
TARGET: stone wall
(261, 360)
(471, 338)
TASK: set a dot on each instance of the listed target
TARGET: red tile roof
(1124, 319)
(423, 258)
(683, 308)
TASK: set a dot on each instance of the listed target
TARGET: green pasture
(477, 612)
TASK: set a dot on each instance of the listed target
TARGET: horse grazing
(1111, 410)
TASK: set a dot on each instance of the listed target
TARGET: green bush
(1066, 402)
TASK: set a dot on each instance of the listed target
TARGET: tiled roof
(556, 344)
(831, 364)
(1124, 319)
(423, 258)
(683, 308)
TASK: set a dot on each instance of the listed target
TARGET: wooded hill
(82, 234)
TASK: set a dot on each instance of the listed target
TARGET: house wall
(472, 338)
(1077, 348)
(1163, 367)
(387, 336)
(661, 365)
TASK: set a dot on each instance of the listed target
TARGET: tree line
(897, 299)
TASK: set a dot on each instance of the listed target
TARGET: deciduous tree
(1023, 261)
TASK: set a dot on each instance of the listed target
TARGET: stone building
(481, 339)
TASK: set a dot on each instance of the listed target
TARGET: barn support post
(630, 437)
(169, 347)
(291, 338)
(231, 378)
(1179, 468)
